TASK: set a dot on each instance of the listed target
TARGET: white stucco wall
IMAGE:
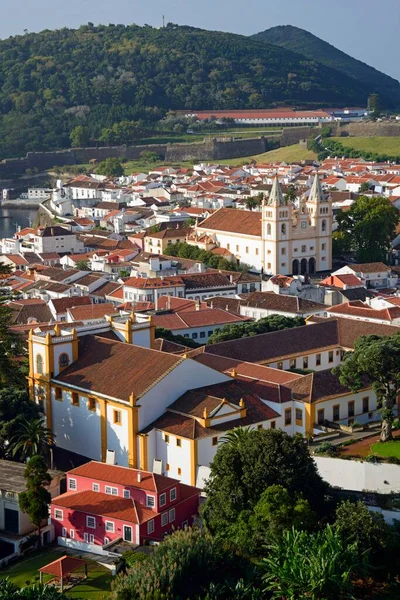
(76, 427)
(359, 476)
(118, 435)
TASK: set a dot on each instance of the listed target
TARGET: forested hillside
(312, 47)
(53, 81)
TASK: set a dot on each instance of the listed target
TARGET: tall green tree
(111, 167)
(375, 359)
(357, 524)
(12, 348)
(15, 408)
(369, 227)
(35, 500)
(247, 465)
(79, 136)
(275, 512)
(32, 438)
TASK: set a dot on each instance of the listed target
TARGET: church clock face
(303, 225)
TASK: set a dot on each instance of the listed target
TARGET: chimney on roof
(198, 304)
(139, 477)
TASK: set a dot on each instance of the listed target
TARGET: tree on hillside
(111, 167)
(12, 347)
(32, 438)
(79, 136)
(124, 132)
(247, 465)
(369, 227)
(15, 409)
(36, 499)
(265, 325)
(376, 359)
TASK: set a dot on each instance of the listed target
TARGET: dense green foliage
(275, 512)
(368, 228)
(214, 261)
(376, 358)
(15, 408)
(247, 464)
(12, 348)
(267, 535)
(357, 524)
(313, 48)
(310, 565)
(31, 438)
(167, 334)
(111, 167)
(54, 81)
(182, 567)
(35, 500)
(336, 148)
(9, 591)
(266, 325)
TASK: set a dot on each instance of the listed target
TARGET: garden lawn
(387, 448)
(25, 572)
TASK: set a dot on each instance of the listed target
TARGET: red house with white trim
(106, 504)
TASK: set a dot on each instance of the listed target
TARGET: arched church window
(323, 225)
(283, 229)
(39, 364)
(269, 230)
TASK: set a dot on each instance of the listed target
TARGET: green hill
(52, 81)
(305, 43)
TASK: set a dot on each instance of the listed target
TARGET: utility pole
(163, 21)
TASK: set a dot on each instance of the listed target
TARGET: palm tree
(235, 436)
(32, 439)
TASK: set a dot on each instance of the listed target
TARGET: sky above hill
(357, 27)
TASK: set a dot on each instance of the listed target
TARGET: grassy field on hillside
(286, 154)
(379, 145)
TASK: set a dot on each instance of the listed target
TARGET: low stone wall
(209, 149)
(366, 129)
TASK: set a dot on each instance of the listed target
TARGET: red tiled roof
(63, 566)
(153, 282)
(236, 221)
(101, 362)
(152, 482)
(104, 505)
(92, 311)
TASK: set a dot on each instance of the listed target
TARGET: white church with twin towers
(279, 239)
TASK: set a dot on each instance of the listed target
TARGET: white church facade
(279, 239)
